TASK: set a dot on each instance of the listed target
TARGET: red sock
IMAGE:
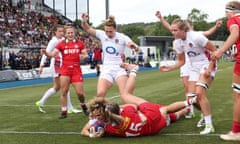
(235, 127)
(64, 112)
(173, 117)
(82, 104)
(188, 110)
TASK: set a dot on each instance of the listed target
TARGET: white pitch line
(113, 97)
(43, 133)
(190, 134)
(78, 133)
(26, 105)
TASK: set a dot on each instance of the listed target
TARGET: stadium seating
(29, 30)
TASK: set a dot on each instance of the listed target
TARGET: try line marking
(110, 98)
(78, 133)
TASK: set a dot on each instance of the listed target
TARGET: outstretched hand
(158, 14)
(96, 134)
(134, 46)
(85, 17)
(218, 23)
(164, 68)
(216, 55)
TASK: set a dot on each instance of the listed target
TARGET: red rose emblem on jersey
(116, 40)
(190, 44)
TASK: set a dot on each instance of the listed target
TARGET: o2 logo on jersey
(112, 50)
(192, 54)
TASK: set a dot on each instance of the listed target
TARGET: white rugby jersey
(112, 47)
(50, 47)
(193, 46)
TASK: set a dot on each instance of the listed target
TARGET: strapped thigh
(236, 87)
(191, 94)
(202, 84)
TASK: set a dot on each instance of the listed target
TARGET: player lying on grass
(137, 117)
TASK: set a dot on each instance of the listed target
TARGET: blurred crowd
(29, 31)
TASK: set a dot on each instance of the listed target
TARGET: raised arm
(86, 26)
(213, 29)
(165, 24)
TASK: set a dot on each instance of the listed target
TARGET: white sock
(208, 119)
(47, 94)
(192, 109)
(69, 104)
(186, 103)
(64, 108)
(177, 115)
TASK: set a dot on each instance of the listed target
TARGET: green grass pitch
(21, 123)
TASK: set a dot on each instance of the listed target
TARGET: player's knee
(80, 94)
(64, 93)
(163, 111)
(101, 94)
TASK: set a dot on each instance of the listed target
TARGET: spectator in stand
(55, 69)
(140, 58)
(1, 63)
(89, 60)
(72, 51)
(6, 57)
(12, 60)
(133, 57)
(24, 63)
(97, 58)
(29, 29)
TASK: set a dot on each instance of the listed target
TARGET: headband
(230, 9)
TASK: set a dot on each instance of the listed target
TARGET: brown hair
(113, 107)
(110, 22)
(110, 110)
(69, 27)
(233, 5)
(182, 24)
(97, 103)
(56, 27)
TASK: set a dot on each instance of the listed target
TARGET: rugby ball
(95, 128)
